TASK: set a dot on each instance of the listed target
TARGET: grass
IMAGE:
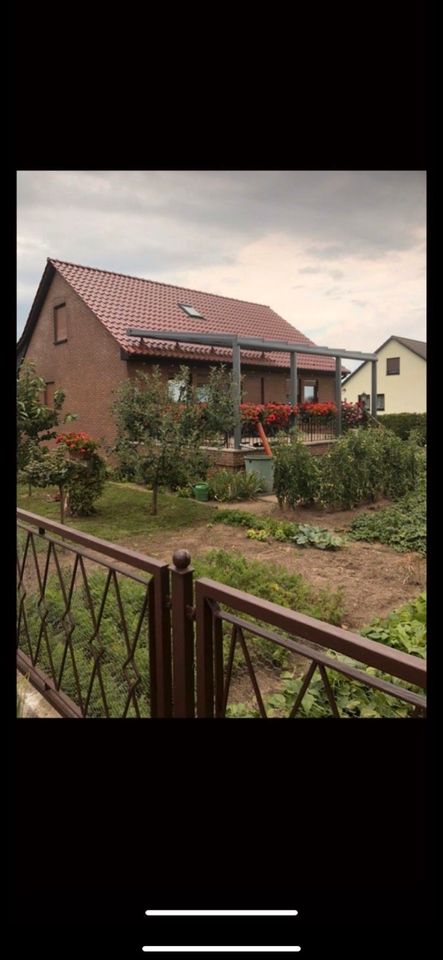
(123, 511)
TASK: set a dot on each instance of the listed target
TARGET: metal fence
(308, 640)
(106, 632)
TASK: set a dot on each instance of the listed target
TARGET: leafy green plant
(361, 465)
(35, 420)
(79, 477)
(263, 528)
(295, 472)
(225, 485)
(404, 629)
(401, 526)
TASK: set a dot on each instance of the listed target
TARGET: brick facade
(88, 364)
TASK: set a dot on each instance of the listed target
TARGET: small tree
(35, 420)
(220, 412)
(75, 468)
(160, 439)
(52, 470)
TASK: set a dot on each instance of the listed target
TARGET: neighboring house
(76, 334)
(401, 378)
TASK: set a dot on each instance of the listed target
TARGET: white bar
(218, 949)
(221, 913)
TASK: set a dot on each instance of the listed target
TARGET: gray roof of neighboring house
(417, 346)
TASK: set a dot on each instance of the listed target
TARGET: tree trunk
(29, 489)
(154, 498)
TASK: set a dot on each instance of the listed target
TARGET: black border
(111, 819)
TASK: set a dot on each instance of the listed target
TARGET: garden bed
(375, 578)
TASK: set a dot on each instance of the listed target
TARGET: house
(76, 333)
(401, 378)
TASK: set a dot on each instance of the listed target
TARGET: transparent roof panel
(191, 311)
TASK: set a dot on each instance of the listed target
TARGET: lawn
(122, 512)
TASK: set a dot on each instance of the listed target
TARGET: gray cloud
(162, 223)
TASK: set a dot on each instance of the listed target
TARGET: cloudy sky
(339, 254)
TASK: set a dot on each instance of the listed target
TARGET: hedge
(402, 423)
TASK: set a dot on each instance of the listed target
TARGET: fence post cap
(181, 559)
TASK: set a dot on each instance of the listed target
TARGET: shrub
(35, 420)
(295, 473)
(361, 465)
(402, 424)
(75, 468)
(401, 526)
(87, 476)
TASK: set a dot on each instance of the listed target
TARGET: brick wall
(259, 386)
(87, 365)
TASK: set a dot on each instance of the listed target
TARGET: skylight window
(191, 311)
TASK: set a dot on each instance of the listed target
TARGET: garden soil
(375, 578)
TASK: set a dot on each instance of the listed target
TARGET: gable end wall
(87, 366)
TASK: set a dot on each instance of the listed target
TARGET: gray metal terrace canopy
(236, 344)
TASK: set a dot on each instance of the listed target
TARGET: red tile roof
(120, 301)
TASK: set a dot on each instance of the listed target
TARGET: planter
(201, 491)
(264, 466)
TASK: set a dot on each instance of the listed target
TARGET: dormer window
(190, 311)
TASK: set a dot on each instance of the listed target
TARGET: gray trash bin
(263, 465)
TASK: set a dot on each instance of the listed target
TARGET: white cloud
(379, 297)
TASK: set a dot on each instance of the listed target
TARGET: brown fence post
(161, 654)
(182, 635)
(205, 653)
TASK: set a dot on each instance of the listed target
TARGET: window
(202, 393)
(365, 399)
(310, 391)
(380, 401)
(392, 366)
(176, 390)
(191, 311)
(60, 324)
